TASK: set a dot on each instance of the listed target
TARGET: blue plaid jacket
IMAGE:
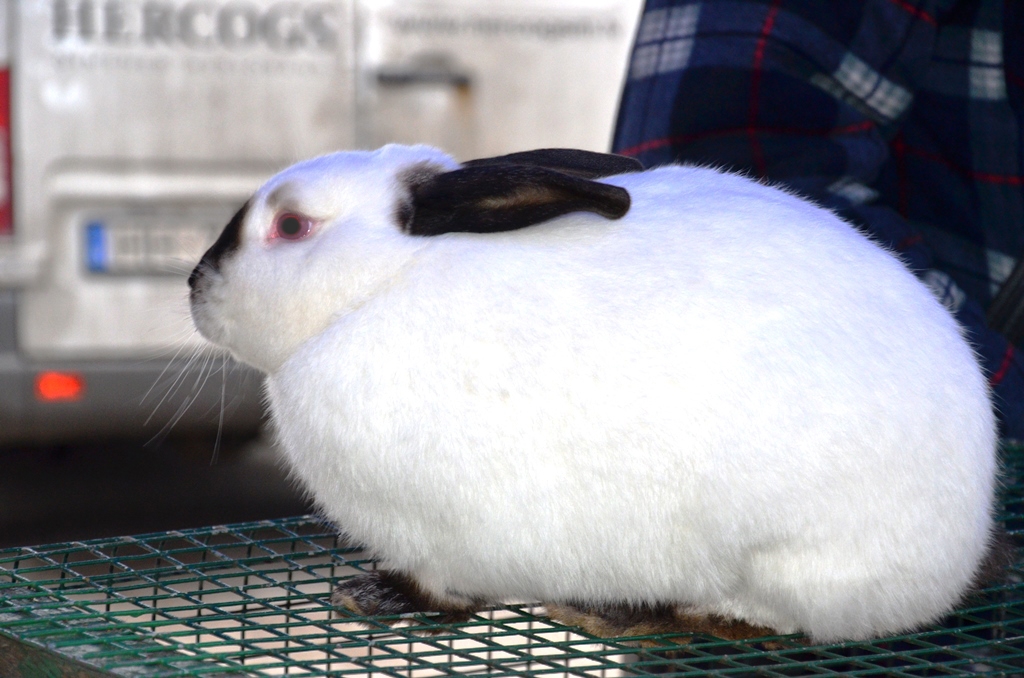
(905, 116)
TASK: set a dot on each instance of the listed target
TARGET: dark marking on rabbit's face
(229, 241)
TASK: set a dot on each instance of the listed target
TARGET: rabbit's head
(327, 234)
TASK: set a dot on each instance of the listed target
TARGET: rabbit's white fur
(729, 399)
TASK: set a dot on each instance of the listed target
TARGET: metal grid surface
(252, 600)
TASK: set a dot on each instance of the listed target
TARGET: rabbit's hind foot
(390, 594)
(623, 620)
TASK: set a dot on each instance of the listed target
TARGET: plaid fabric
(905, 116)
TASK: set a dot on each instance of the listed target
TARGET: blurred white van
(131, 130)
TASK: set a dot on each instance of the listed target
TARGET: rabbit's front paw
(385, 593)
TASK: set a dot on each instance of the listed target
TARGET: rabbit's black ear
(489, 198)
(586, 164)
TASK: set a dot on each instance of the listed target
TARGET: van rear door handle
(423, 74)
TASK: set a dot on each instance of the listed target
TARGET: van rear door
(141, 126)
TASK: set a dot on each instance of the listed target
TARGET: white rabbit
(726, 410)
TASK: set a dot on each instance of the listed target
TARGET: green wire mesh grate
(251, 600)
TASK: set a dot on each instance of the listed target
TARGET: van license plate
(145, 249)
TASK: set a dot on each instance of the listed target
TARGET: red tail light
(55, 386)
(6, 185)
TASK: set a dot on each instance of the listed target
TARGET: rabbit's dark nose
(193, 277)
(228, 241)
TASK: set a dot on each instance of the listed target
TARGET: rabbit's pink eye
(291, 226)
